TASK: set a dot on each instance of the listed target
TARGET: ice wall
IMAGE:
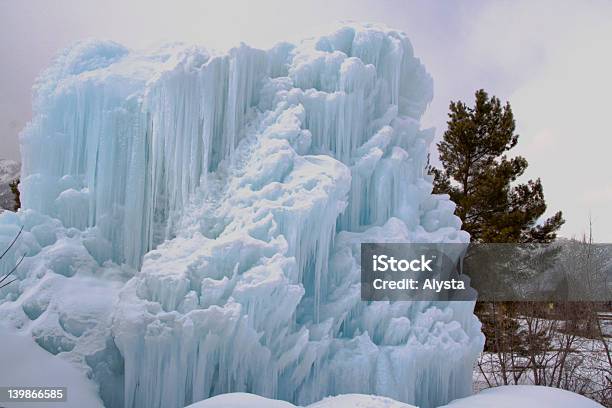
(121, 140)
(241, 185)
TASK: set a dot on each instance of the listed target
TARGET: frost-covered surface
(9, 172)
(513, 396)
(23, 363)
(63, 298)
(234, 191)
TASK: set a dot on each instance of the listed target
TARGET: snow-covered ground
(572, 362)
(242, 400)
(587, 363)
(23, 363)
(500, 397)
(524, 396)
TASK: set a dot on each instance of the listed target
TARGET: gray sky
(551, 59)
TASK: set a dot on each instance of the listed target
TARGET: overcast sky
(551, 59)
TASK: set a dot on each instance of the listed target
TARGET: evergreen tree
(481, 179)
(478, 175)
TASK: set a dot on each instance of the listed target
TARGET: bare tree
(544, 344)
(556, 344)
(3, 280)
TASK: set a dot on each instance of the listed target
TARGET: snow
(23, 364)
(359, 401)
(240, 400)
(193, 219)
(63, 298)
(524, 396)
(243, 400)
(512, 396)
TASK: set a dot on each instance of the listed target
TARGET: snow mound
(193, 221)
(524, 396)
(240, 400)
(511, 396)
(243, 400)
(358, 401)
(25, 364)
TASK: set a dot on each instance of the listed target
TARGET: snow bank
(524, 396)
(358, 401)
(242, 400)
(23, 363)
(62, 300)
(512, 396)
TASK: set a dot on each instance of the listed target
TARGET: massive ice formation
(236, 189)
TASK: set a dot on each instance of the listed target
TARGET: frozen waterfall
(217, 201)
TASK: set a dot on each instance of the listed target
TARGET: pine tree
(481, 179)
(478, 175)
